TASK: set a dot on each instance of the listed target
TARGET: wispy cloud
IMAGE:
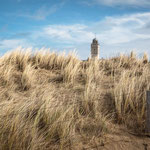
(119, 33)
(115, 34)
(76, 33)
(21, 35)
(8, 44)
(43, 12)
(123, 29)
(111, 30)
(132, 3)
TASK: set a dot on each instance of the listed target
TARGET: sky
(120, 26)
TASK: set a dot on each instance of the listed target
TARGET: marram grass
(52, 101)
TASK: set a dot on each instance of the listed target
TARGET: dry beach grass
(52, 101)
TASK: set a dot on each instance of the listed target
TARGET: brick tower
(95, 49)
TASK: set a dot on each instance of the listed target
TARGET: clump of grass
(27, 78)
(145, 58)
(40, 110)
(129, 95)
(52, 101)
(133, 55)
(18, 58)
(71, 69)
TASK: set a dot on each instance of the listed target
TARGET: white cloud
(111, 30)
(68, 33)
(115, 34)
(43, 12)
(132, 3)
(118, 33)
(12, 43)
(122, 29)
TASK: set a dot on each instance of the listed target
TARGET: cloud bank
(132, 3)
(115, 34)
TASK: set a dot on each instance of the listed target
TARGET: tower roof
(95, 41)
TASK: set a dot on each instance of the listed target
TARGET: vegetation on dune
(53, 101)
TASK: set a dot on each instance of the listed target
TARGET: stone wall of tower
(95, 50)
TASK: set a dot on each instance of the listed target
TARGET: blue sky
(66, 25)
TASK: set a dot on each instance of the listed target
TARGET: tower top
(95, 41)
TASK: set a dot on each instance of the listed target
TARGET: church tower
(95, 49)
